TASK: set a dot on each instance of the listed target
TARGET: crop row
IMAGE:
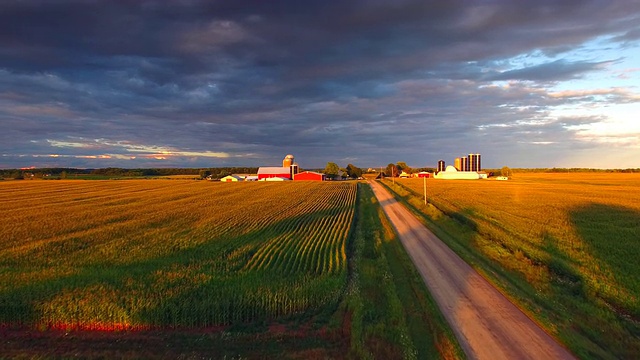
(122, 254)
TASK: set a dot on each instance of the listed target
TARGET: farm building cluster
(465, 167)
(287, 172)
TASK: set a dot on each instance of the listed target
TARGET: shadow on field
(178, 289)
(612, 236)
(562, 267)
(465, 217)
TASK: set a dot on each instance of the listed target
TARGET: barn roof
(237, 177)
(273, 170)
(310, 172)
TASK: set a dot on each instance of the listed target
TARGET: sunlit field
(162, 253)
(575, 238)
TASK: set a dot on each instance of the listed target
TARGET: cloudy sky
(243, 83)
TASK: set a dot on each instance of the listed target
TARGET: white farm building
(451, 173)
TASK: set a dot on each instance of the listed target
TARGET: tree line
(61, 173)
(332, 171)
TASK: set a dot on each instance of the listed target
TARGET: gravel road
(487, 324)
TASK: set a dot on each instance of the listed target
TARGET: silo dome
(288, 161)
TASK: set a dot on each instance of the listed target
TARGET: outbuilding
(232, 178)
(308, 176)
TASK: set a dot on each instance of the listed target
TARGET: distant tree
(204, 173)
(63, 175)
(331, 170)
(150, 172)
(223, 172)
(353, 171)
(505, 171)
(391, 170)
(402, 166)
(427, 169)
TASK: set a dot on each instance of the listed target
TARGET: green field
(565, 246)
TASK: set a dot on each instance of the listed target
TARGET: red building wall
(310, 176)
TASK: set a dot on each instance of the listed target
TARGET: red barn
(309, 176)
(274, 171)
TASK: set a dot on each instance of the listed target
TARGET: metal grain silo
(288, 161)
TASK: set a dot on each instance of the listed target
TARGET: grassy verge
(588, 327)
(391, 313)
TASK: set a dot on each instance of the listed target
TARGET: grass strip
(392, 314)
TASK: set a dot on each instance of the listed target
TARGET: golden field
(148, 253)
(574, 238)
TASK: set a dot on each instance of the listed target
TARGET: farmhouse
(308, 176)
(232, 178)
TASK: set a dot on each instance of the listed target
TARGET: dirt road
(487, 325)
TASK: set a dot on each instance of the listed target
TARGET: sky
(139, 84)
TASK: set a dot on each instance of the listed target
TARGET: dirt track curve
(487, 325)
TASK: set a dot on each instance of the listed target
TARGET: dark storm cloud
(555, 71)
(362, 80)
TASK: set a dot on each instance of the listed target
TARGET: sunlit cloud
(68, 144)
(121, 157)
(622, 93)
(627, 73)
(129, 147)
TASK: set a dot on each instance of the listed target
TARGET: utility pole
(425, 189)
(393, 174)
